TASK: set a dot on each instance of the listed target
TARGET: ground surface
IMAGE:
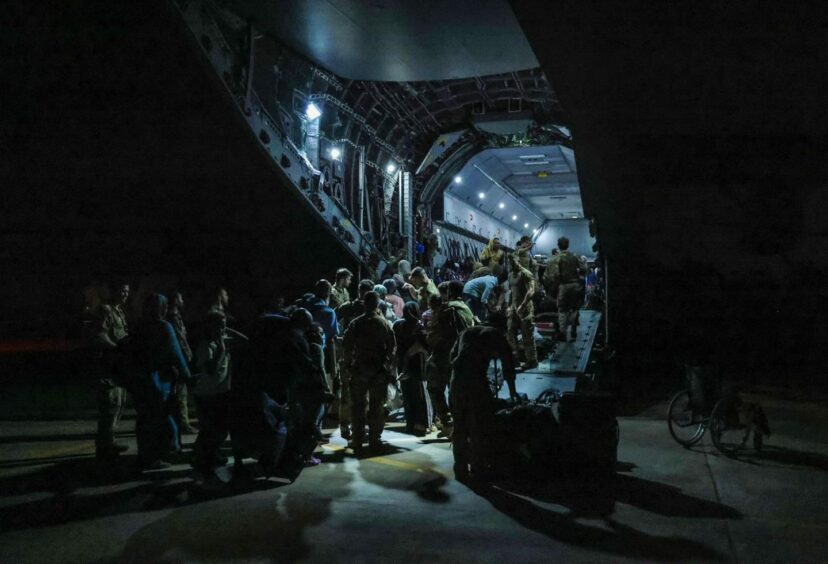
(662, 503)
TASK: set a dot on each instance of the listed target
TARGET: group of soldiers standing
(355, 352)
(563, 279)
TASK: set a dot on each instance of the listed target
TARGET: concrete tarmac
(663, 503)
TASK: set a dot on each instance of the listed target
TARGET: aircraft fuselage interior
(402, 153)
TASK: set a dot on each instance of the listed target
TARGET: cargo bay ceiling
(397, 40)
(392, 76)
(511, 183)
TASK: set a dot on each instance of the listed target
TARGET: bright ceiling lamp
(336, 153)
(458, 179)
(312, 111)
(481, 195)
(514, 218)
(501, 205)
(391, 168)
(526, 226)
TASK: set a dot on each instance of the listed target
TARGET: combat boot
(110, 451)
(241, 475)
(529, 365)
(446, 430)
(356, 443)
(152, 465)
(379, 447)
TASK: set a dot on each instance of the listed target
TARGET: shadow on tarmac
(253, 528)
(126, 491)
(416, 472)
(595, 497)
(783, 457)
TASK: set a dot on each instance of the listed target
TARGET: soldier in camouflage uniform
(342, 384)
(564, 277)
(420, 287)
(474, 437)
(111, 330)
(339, 292)
(524, 254)
(522, 312)
(369, 347)
(448, 321)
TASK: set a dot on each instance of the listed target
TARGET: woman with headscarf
(157, 361)
(493, 253)
(404, 268)
(385, 307)
(392, 296)
(412, 346)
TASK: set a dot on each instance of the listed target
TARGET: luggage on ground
(558, 432)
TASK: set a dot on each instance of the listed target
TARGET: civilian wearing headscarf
(156, 361)
(393, 298)
(385, 307)
(493, 253)
(412, 348)
(409, 331)
(404, 268)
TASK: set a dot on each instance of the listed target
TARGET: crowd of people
(329, 355)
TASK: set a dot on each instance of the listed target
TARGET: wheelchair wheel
(729, 435)
(686, 424)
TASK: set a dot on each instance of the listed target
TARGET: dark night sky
(123, 158)
(701, 142)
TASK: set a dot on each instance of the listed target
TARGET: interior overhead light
(574, 217)
(502, 205)
(438, 230)
(312, 111)
(458, 179)
(336, 153)
(481, 195)
(526, 226)
(530, 157)
(514, 218)
(391, 168)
